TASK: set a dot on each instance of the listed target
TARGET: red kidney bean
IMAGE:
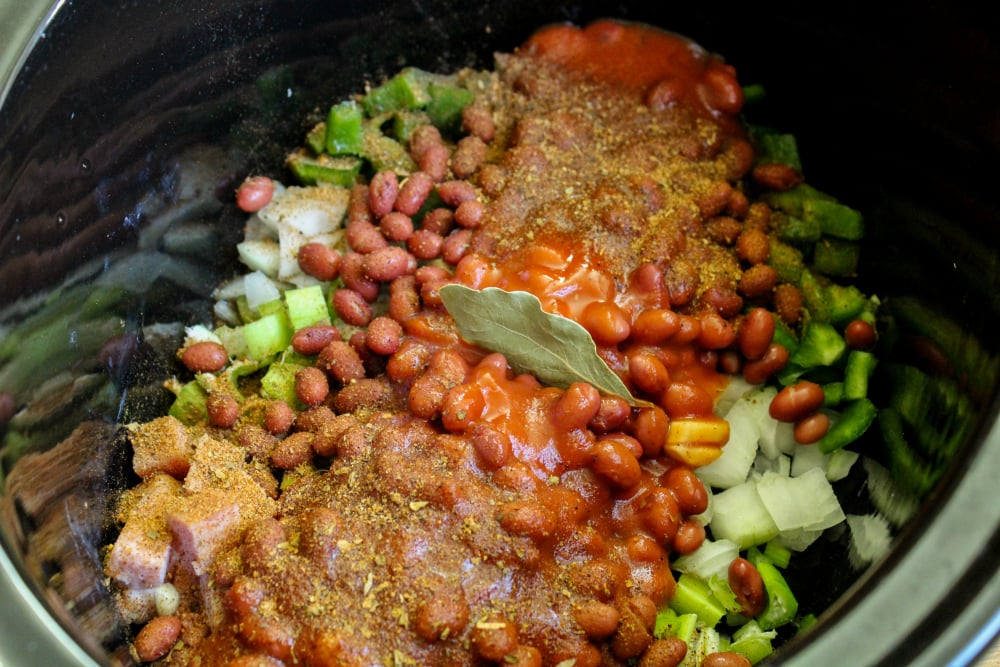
(684, 399)
(758, 281)
(597, 619)
(384, 335)
(716, 333)
(660, 514)
(478, 121)
(341, 361)
(254, 193)
(424, 244)
(616, 463)
(730, 362)
(811, 428)
(747, 585)
(614, 411)
(725, 302)
(357, 205)
(364, 237)
(688, 330)
(647, 373)
(776, 176)
(720, 90)
(456, 245)
(723, 229)
(352, 272)
(860, 335)
(725, 659)
(434, 162)
(413, 192)
(408, 362)
(223, 410)
(404, 299)
(157, 638)
(441, 616)
(438, 220)
(738, 204)
(396, 226)
(606, 322)
(388, 263)
(454, 193)
(470, 154)
(422, 138)
(382, 191)
(319, 261)
(753, 246)
(755, 333)
(528, 518)
(310, 340)
(204, 357)
(576, 406)
(469, 214)
(796, 401)
(649, 426)
(278, 417)
(293, 451)
(631, 444)
(311, 386)
(788, 303)
(492, 445)
(690, 492)
(667, 652)
(655, 326)
(648, 280)
(757, 372)
(493, 638)
(690, 535)
(351, 307)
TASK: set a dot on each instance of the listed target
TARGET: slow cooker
(124, 123)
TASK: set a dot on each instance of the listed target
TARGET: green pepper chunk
(834, 218)
(852, 422)
(821, 345)
(446, 105)
(794, 230)
(343, 129)
(836, 257)
(859, 368)
(342, 171)
(405, 91)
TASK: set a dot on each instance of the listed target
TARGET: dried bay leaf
(553, 348)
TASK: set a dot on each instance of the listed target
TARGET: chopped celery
(279, 382)
(752, 642)
(781, 603)
(860, 366)
(693, 596)
(852, 422)
(189, 406)
(777, 553)
(268, 335)
(343, 129)
(671, 624)
(834, 219)
(836, 257)
(724, 594)
(306, 306)
(821, 345)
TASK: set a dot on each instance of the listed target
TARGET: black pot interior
(896, 113)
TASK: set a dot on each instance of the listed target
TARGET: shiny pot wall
(128, 120)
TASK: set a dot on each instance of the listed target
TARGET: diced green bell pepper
(343, 129)
(836, 257)
(852, 422)
(340, 170)
(834, 218)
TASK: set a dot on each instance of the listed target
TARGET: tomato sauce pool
(666, 68)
